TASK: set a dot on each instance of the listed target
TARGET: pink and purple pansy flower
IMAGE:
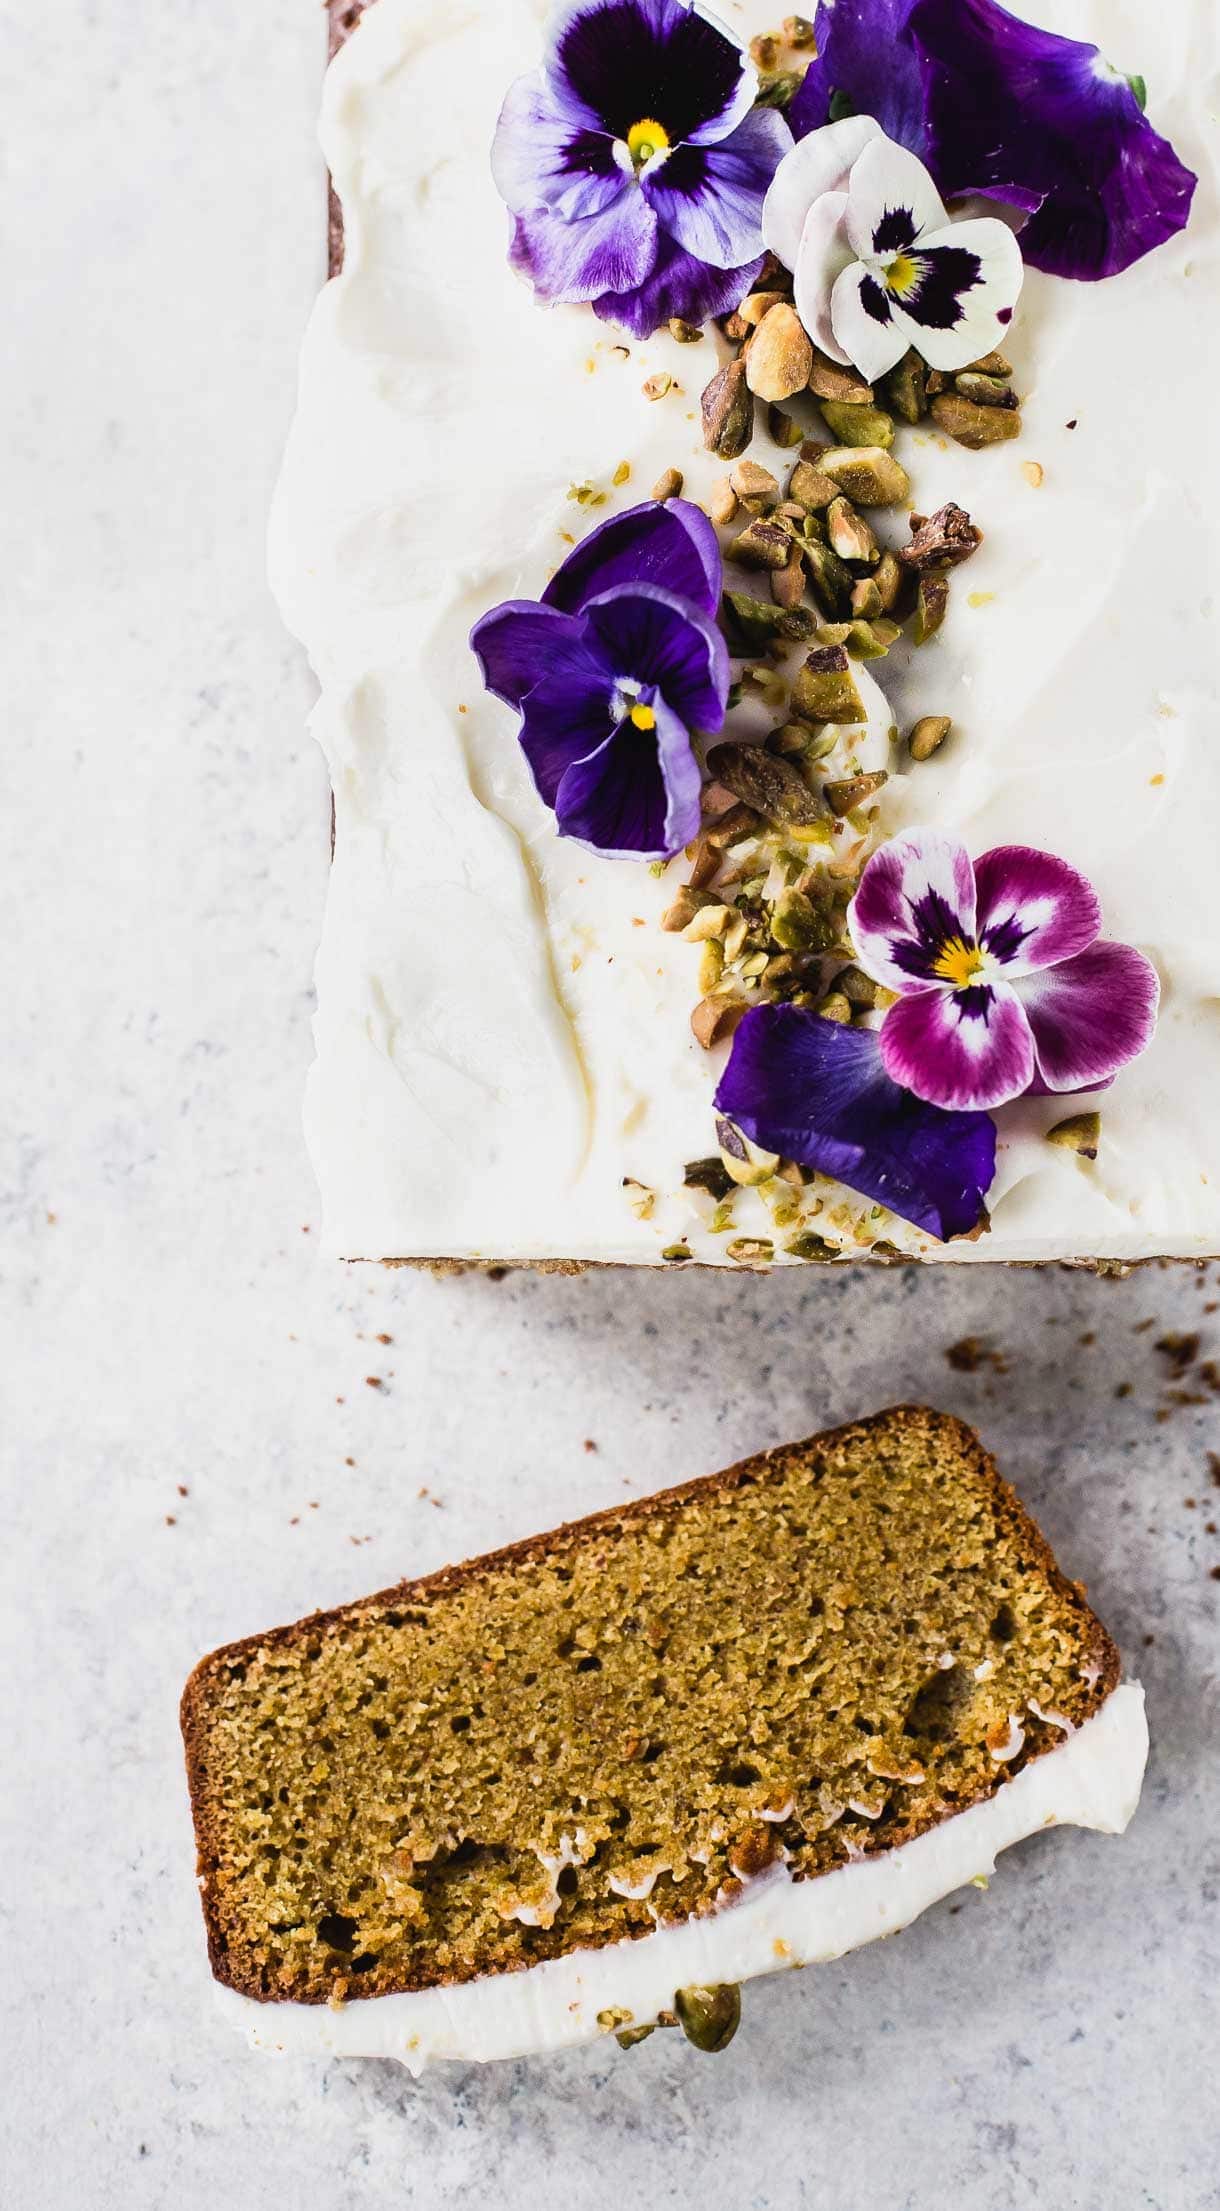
(817, 1092)
(996, 107)
(611, 672)
(635, 163)
(1004, 983)
(877, 264)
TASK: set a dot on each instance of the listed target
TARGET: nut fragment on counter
(972, 425)
(767, 782)
(941, 540)
(855, 425)
(867, 473)
(668, 485)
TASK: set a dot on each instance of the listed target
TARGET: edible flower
(611, 671)
(634, 163)
(817, 1092)
(877, 264)
(1003, 981)
(996, 107)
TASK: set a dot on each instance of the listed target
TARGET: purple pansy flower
(1003, 983)
(877, 264)
(817, 1092)
(994, 106)
(611, 671)
(635, 163)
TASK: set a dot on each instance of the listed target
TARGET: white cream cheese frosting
(503, 1033)
(1092, 1779)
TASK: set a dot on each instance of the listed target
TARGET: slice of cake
(627, 993)
(591, 1783)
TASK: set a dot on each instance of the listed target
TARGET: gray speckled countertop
(192, 1447)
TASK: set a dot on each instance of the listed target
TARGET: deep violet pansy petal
(862, 53)
(517, 642)
(673, 545)
(649, 636)
(678, 285)
(1034, 910)
(563, 721)
(964, 1050)
(915, 893)
(610, 252)
(1091, 1015)
(710, 198)
(817, 1092)
(815, 166)
(625, 60)
(540, 158)
(995, 106)
(637, 797)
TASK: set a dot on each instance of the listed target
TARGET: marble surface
(205, 1431)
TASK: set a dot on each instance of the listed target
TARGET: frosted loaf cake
(506, 1064)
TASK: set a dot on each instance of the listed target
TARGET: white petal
(886, 180)
(817, 164)
(821, 257)
(985, 311)
(872, 346)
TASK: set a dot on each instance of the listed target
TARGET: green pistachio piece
(973, 426)
(887, 575)
(986, 391)
(843, 798)
(709, 2017)
(627, 2037)
(832, 580)
(1080, 1133)
(762, 544)
(928, 735)
(750, 624)
(728, 412)
(809, 1246)
(849, 535)
(709, 1175)
(906, 388)
(868, 474)
(830, 380)
(931, 604)
(797, 925)
(746, 1163)
(825, 688)
(765, 781)
(810, 486)
(854, 425)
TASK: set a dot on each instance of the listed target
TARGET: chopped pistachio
(931, 605)
(722, 502)
(825, 689)
(711, 967)
(809, 1246)
(714, 1018)
(780, 355)
(810, 486)
(640, 1198)
(865, 600)
(751, 481)
(709, 2017)
(779, 90)
(973, 426)
(1033, 473)
(843, 798)
(836, 1006)
(785, 430)
(686, 905)
(832, 580)
(765, 781)
(941, 540)
(850, 536)
(869, 640)
(797, 925)
(798, 30)
(675, 1255)
(746, 1163)
(764, 50)
(710, 1175)
(986, 391)
(656, 387)
(746, 1250)
(887, 575)
(751, 624)
(1080, 1133)
(856, 425)
(711, 920)
(668, 486)
(686, 333)
(627, 2037)
(928, 735)
(757, 304)
(762, 544)
(728, 412)
(858, 988)
(868, 474)
(992, 364)
(830, 380)
(906, 388)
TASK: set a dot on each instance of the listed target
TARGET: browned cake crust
(906, 1433)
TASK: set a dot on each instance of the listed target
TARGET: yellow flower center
(645, 139)
(643, 717)
(902, 275)
(959, 963)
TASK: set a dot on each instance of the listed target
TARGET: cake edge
(1099, 1651)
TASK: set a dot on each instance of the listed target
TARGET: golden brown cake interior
(820, 1651)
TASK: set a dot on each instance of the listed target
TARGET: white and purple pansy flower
(996, 107)
(878, 266)
(635, 163)
(611, 672)
(1003, 982)
(817, 1092)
